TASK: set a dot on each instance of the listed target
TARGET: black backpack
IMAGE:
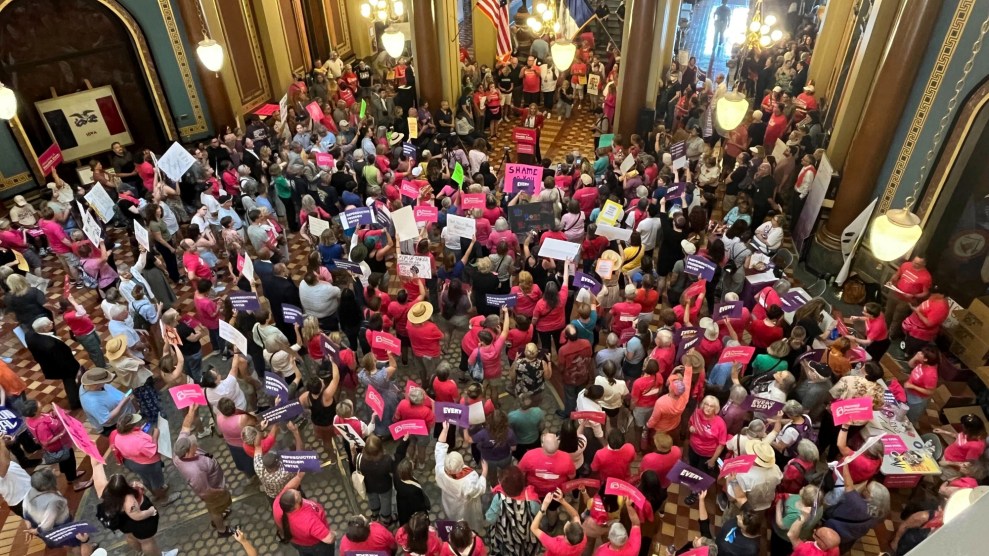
(110, 522)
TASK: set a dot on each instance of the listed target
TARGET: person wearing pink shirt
(615, 459)
(548, 318)
(669, 407)
(708, 436)
(924, 323)
(60, 244)
(624, 314)
(426, 339)
(138, 451)
(527, 294)
(489, 349)
(518, 337)
(366, 535)
(470, 340)
(503, 232)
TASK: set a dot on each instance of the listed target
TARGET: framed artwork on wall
(85, 123)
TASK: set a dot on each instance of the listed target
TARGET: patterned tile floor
(183, 525)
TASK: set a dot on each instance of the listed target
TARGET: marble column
(429, 76)
(635, 64)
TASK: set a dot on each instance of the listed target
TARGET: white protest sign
(559, 250)
(627, 164)
(175, 162)
(283, 109)
(413, 266)
(232, 335)
(141, 235)
(248, 270)
(460, 226)
(317, 226)
(101, 202)
(778, 149)
(405, 224)
(91, 228)
(614, 233)
(164, 437)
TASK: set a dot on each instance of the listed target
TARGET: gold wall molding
(945, 54)
(7, 182)
(301, 37)
(246, 99)
(150, 74)
(185, 69)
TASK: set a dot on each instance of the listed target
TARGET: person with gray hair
(268, 465)
(55, 357)
(203, 474)
(611, 352)
(857, 509)
(461, 488)
(45, 509)
(621, 540)
(799, 428)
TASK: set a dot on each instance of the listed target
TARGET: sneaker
(208, 431)
(172, 552)
(722, 501)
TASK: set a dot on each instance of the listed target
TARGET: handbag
(357, 479)
(49, 458)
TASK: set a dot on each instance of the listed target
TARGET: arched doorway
(57, 45)
(955, 205)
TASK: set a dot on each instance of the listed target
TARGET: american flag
(497, 12)
(409, 149)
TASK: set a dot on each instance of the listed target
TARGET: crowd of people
(634, 345)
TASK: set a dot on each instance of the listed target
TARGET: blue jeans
(917, 406)
(216, 341)
(194, 366)
(570, 398)
(380, 503)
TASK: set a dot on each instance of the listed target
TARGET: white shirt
(334, 68)
(584, 404)
(106, 305)
(774, 236)
(168, 217)
(15, 485)
(476, 158)
(613, 393)
(227, 388)
(212, 207)
(549, 78)
(649, 231)
(461, 497)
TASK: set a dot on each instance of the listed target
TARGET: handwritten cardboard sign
(185, 395)
(522, 177)
(619, 487)
(737, 465)
(374, 400)
(855, 409)
(300, 461)
(414, 266)
(594, 416)
(387, 342)
(283, 413)
(415, 427)
(454, 413)
(690, 477)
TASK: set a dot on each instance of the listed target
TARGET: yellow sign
(610, 213)
(582, 80)
(21, 261)
(413, 128)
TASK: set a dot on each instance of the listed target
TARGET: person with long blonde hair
(527, 294)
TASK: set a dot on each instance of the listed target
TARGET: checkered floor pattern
(182, 524)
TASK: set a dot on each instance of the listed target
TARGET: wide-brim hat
(420, 312)
(765, 455)
(116, 347)
(96, 375)
(395, 138)
(132, 419)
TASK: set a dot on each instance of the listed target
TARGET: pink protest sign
(409, 426)
(578, 483)
(49, 159)
(855, 409)
(738, 354)
(893, 443)
(473, 200)
(409, 189)
(447, 191)
(595, 416)
(374, 400)
(315, 112)
(324, 160)
(77, 432)
(733, 466)
(425, 213)
(185, 395)
(523, 177)
(619, 487)
(387, 342)
(267, 110)
(699, 551)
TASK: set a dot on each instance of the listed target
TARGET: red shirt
(207, 312)
(661, 464)
(863, 468)
(591, 249)
(774, 130)
(525, 303)
(576, 362)
(192, 261)
(560, 546)
(875, 329)
(266, 444)
(630, 548)
(545, 472)
(445, 390)
(764, 300)
(963, 449)
(470, 341)
(924, 376)
(710, 349)
(587, 198)
(763, 335)
(913, 280)
(647, 299)
(614, 463)
(399, 313)
(425, 339)
(935, 310)
(380, 538)
(664, 357)
(622, 316)
(577, 69)
(517, 339)
(80, 325)
(708, 433)
(424, 411)
(809, 548)
(478, 550)
(307, 524)
(531, 82)
(646, 390)
(550, 320)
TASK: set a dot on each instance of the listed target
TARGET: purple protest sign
(292, 314)
(360, 216)
(453, 413)
(300, 461)
(276, 387)
(675, 191)
(64, 534)
(686, 338)
(793, 300)
(727, 310)
(443, 528)
(690, 477)
(283, 413)
(507, 300)
(581, 280)
(244, 301)
(700, 266)
(349, 266)
(756, 404)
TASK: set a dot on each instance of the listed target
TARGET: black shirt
(188, 347)
(444, 120)
(505, 83)
(363, 77)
